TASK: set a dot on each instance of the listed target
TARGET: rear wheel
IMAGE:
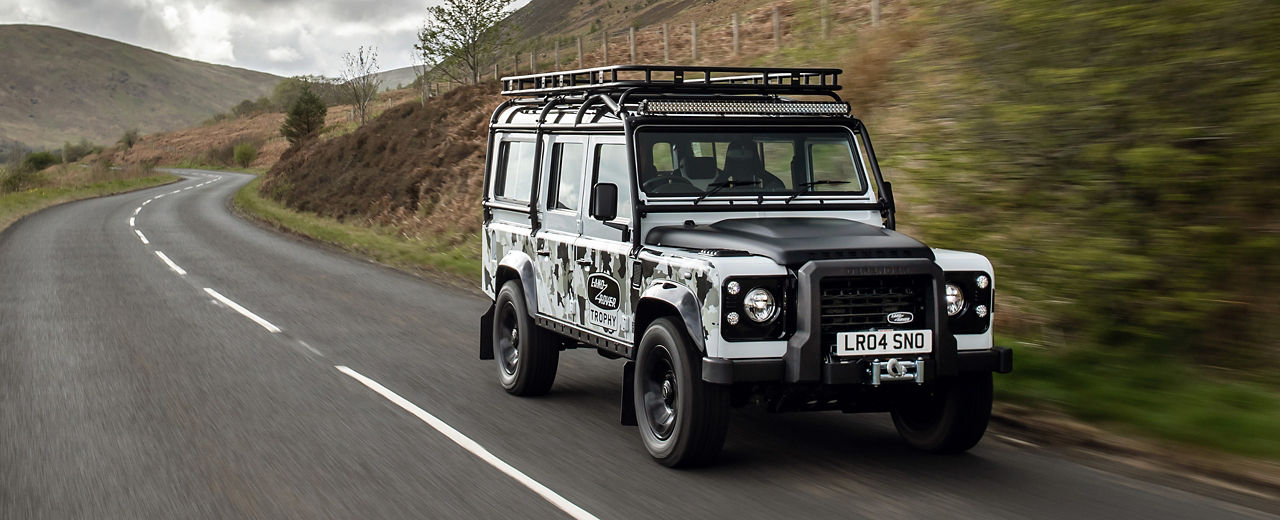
(682, 419)
(526, 356)
(951, 418)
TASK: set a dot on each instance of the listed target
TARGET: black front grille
(864, 302)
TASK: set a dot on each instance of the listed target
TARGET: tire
(525, 354)
(950, 419)
(682, 419)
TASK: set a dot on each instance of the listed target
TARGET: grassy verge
(1150, 396)
(14, 206)
(384, 245)
(190, 164)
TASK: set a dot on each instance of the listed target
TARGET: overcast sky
(284, 37)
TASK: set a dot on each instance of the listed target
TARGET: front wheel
(526, 356)
(682, 419)
(951, 418)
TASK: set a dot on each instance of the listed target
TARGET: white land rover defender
(735, 245)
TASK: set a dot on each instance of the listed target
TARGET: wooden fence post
(777, 28)
(557, 54)
(631, 38)
(736, 50)
(495, 70)
(605, 38)
(580, 65)
(824, 20)
(693, 38)
(533, 61)
(666, 43)
(875, 13)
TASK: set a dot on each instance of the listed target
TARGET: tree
(423, 73)
(360, 81)
(306, 117)
(458, 34)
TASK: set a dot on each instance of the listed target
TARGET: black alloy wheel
(682, 419)
(527, 356)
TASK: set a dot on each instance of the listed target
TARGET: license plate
(884, 342)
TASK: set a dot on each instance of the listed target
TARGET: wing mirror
(604, 202)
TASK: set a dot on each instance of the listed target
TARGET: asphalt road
(128, 390)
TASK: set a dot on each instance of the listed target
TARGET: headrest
(700, 168)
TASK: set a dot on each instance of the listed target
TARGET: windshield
(705, 163)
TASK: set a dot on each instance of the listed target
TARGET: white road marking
(172, 265)
(187, 188)
(1019, 442)
(142, 237)
(236, 307)
(175, 191)
(148, 201)
(160, 195)
(471, 446)
(130, 221)
(137, 209)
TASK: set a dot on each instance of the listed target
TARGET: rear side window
(515, 179)
(566, 177)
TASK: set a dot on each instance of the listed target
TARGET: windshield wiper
(801, 187)
(717, 186)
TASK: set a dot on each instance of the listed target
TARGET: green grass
(14, 206)
(384, 245)
(1150, 396)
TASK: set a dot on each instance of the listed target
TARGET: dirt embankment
(417, 168)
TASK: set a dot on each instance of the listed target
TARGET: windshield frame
(866, 173)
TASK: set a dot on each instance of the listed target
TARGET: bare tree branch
(360, 81)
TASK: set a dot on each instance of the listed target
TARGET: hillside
(60, 85)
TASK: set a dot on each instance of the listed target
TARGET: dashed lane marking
(472, 446)
(172, 265)
(142, 237)
(236, 307)
(130, 221)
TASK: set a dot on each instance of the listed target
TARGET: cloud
(283, 54)
(284, 37)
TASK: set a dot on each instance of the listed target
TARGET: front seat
(742, 164)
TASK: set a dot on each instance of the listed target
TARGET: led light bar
(789, 108)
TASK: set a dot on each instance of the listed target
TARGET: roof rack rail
(689, 80)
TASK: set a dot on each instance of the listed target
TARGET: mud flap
(628, 394)
(486, 334)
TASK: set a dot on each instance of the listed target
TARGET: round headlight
(982, 281)
(981, 311)
(760, 305)
(955, 300)
(734, 287)
(732, 318)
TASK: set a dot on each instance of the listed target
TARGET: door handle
(544, 252)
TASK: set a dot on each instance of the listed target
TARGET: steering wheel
(661, 184)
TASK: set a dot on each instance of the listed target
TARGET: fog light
(732, 318)
(955, 300)
(983, 281)
(981, 311)
(734, 287)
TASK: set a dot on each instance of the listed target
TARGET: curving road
(166, 359)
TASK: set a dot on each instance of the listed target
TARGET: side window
(565, 188)
(662, 157)
(515, 179)
(611, 167)
(778, 157)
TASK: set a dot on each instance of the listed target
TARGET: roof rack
(687, 80)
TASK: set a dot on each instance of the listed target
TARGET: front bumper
(729, 371)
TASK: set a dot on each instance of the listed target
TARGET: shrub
(39, 161)
(245, 153)
(130, 138)
(305, 118)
